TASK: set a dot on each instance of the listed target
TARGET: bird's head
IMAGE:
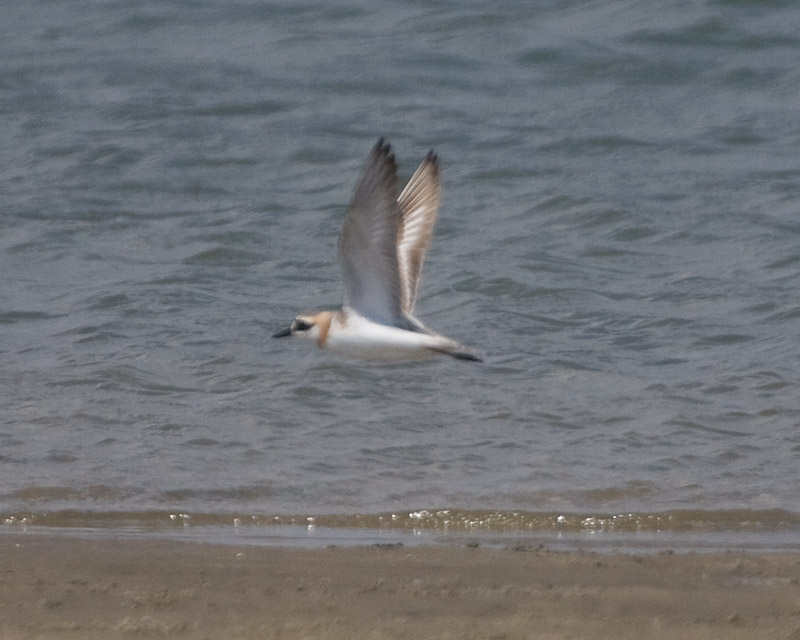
(302, 326)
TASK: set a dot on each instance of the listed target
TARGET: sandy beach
(62, 587)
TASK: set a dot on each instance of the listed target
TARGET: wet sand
(61, 587)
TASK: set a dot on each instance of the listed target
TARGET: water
(618, 238)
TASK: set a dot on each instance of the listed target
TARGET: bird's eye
(301, 325)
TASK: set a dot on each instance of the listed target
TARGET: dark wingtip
(433, 159)
(383, 149)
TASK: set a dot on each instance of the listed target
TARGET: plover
(382, 247)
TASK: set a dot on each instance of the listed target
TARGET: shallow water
(618, 238)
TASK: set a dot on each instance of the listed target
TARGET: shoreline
(315, 537)
(326, 531)
(58, 587)
(680, 530)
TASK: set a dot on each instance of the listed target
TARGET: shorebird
(382, 247)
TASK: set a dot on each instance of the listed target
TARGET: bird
(381, 251)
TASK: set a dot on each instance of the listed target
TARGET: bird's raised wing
(418, 203)
(368, 241)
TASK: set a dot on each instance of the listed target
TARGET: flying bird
(382, 248)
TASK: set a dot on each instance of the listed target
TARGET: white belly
(360, 338)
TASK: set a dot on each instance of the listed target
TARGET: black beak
(283, 333)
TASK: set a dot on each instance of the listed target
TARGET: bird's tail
(459, 352)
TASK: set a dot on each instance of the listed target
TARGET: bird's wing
(368, 241)
(419, 203)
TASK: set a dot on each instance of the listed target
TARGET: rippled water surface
(619, 238)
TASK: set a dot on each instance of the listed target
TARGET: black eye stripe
(302, 325)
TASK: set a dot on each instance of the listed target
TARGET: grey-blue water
(619, 238)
